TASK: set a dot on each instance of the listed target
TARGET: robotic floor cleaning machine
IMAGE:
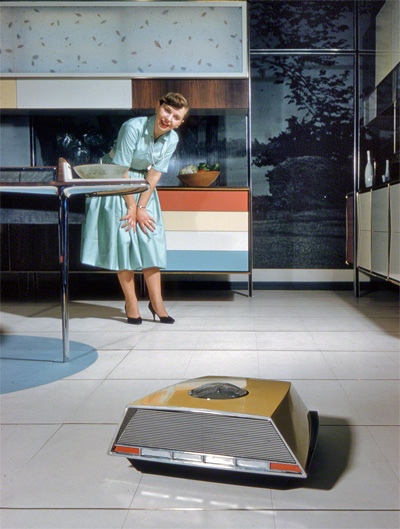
(238, 424)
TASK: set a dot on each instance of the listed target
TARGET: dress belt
(143, 171)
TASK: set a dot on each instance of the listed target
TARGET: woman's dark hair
(175, 100)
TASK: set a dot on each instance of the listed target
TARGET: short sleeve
(162, 165)
(128, 137)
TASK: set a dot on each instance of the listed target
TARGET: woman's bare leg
(152, 277)
(127, 282)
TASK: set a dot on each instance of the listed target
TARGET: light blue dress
(104, 243)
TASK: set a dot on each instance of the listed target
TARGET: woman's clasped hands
(136, 215)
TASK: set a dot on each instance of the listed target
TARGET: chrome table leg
(64, 264)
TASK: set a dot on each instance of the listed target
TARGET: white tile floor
(342, 355)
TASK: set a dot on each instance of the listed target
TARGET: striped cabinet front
(207, 230)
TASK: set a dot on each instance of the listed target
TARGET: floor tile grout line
(381, 451)
(198, 509)
(116, 366)
(133, 498)
(47, 441)
(188, 364)
(328, 365)
(395, 334)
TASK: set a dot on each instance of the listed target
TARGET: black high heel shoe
(133, 321)
(163, 319)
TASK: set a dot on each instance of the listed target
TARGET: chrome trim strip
(139, 459)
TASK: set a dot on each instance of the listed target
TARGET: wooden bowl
(202, 179)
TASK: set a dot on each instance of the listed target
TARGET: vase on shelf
(369, 171)
(387, 172)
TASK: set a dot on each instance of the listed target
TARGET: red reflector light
(286, 467)
(127, 449)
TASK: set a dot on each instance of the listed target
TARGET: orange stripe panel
(199, 200)
(284, 466)
(126, 449)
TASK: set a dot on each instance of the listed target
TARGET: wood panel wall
(201, 93)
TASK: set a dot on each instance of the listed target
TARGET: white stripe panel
(206, 241)
(206, 220)
(74, 93)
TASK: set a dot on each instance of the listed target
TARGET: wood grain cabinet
(201, 93)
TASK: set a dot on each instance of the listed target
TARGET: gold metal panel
(291, 419)
(265, 396)
(8, 93)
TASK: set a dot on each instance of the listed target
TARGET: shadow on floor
(30, 361)
(87, 302)
(331, 458)
(384, 301)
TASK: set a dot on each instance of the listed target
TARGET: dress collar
(150, 130)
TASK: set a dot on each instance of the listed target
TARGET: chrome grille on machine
(205, 433)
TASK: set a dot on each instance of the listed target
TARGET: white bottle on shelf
(387, 172)
(369, 171)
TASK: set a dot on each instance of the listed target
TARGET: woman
(127, 233)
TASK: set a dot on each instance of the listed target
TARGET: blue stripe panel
(207, 261)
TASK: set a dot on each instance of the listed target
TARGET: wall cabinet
(349, 229)
(394, 256)
(364, 231)
(381, 121)
(379, 232)
(73, 94)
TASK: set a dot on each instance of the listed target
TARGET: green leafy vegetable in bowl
(189, 169)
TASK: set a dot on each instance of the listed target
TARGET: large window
(302, 147)
(302, 130)
(302, 24)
